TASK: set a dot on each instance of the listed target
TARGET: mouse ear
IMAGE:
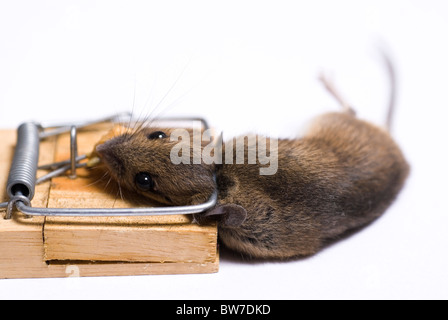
(231, 215)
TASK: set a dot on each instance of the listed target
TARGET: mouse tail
(331, 88)
(393, 90)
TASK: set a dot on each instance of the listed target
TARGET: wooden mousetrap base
(41, 247)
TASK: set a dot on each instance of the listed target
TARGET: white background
(249, 66)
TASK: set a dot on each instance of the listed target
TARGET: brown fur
(343, 174)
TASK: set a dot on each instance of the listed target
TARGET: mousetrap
(56, 222)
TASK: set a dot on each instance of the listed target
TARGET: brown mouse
(341, 175)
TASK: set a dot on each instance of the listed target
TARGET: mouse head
(141, 162)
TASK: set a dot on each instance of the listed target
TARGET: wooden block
(94, 246)
(105, 239)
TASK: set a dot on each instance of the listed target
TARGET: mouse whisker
(139, 124)
(99, 179)
(133, 100)
(94, 183)
(121, 192)
(154, 113)
(108, 182)
(169, 91)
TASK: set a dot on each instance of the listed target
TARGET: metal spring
(22, 176)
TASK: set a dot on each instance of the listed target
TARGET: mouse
(340, 175)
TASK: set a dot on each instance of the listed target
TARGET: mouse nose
(105, 151)
(101, 149)
(109, 157)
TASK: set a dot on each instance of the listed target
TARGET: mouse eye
(144, 181)
(156, 135)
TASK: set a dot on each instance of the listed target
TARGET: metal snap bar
(125, 212)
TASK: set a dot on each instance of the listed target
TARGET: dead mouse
(341, 175)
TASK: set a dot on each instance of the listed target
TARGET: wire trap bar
(23, 173)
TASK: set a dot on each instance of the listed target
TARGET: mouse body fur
(341, 175)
